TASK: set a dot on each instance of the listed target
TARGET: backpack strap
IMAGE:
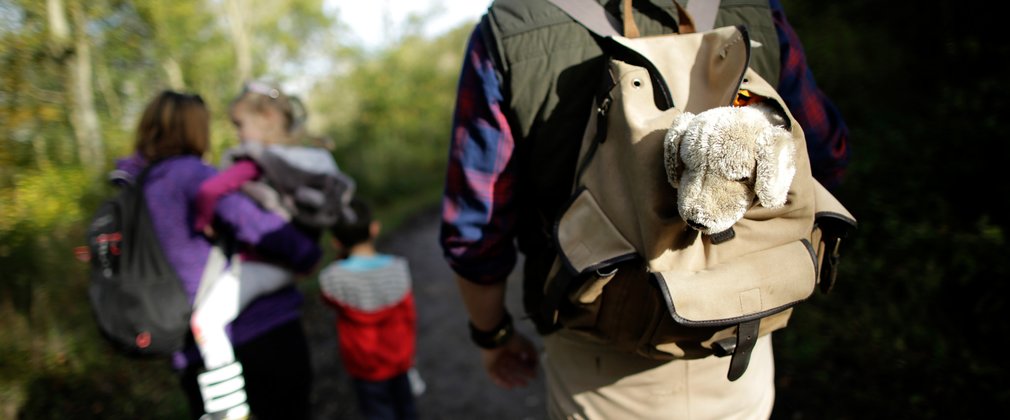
(834, 222)
(218, 261)
(746, 336)
(554, 293)
(591, 15)
(594, 17)
(703, 13)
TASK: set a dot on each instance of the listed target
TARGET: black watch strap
(495, 338)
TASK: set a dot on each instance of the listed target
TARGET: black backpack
(136, 296)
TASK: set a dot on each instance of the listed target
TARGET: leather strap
(630, 28)
(746, 337)
(554, 292)
(829, 266)
(718, 238)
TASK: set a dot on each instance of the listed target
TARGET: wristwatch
(495, 338)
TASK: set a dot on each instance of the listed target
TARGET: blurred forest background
(911, 331)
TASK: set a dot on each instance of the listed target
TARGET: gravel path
(457, 387)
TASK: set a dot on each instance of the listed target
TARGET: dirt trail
(457, 387)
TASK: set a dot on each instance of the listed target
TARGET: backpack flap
(745, 288)
(740, 293)
(581, 252)
(584, 250)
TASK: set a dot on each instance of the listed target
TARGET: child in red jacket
(376, 322)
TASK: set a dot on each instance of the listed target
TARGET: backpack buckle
(829, 268)
(604, 106)
(724, 347)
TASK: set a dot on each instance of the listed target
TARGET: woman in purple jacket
(270, 344)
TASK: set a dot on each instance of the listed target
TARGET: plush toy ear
(671, 147)
(776, 165)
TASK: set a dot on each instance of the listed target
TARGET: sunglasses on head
(262, 89)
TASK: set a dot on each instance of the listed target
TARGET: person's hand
(208, 231)
(512, 365)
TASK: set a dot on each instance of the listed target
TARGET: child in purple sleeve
(300, 184)
(224, 182)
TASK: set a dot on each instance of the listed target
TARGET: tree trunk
(240, 38)
(76, 56)
(174, 72)
(108, 90)
(84, 117)
(59, 29)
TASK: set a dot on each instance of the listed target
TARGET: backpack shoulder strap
(591, 15)
(700, 16)
(703, 12)
(218, 261)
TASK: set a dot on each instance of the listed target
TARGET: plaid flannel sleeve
(823, 126)
(478, 214)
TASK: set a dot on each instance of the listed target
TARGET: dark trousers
(386, 400)
(277, 372)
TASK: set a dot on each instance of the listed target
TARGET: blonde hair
(261, 96)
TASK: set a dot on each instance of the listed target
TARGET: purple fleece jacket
(170, 188)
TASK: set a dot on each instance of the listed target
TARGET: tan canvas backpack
(631, 273)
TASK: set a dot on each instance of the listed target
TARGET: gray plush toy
(721, 159)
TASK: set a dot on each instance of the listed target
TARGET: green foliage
(393, 127)
(38, 201)
(54, 364)
(391, 114)
(913, 328)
